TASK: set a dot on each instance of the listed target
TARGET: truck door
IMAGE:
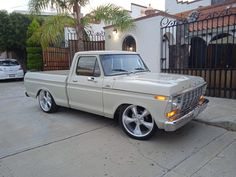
(85, 85)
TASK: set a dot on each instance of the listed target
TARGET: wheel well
(116, 115)
(38, 93)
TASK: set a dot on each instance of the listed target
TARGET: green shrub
(34, 58)
(34, 50)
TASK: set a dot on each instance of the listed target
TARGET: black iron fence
(202, 45)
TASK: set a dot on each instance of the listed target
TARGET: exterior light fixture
(161, 98)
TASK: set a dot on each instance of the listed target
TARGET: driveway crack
(52, 142)
(175, 166)
(148, 158)
(213, 157)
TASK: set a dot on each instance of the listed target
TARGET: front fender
(113, 99)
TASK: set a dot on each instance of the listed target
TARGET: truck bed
(57, 72)
(53, 81)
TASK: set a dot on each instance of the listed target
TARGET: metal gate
(91, 41)
(202, 45)
(55, 58)
(94, 41)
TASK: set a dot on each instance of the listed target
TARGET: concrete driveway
(72, 143)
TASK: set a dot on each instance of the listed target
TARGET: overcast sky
(11, 5)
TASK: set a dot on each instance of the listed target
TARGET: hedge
(34, 50)
(34, 58)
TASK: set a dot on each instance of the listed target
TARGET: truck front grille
(191, 99)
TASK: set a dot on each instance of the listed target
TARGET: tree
(13, 28)
(34, 50)
(4, 31)
(52, 30)
(34, 25)
(18, 28)
(111, 14)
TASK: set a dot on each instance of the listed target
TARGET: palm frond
(62, 6)
(80, 2)
(52, 30)
(111, 15)
(35, 6)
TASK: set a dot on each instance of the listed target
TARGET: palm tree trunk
(79, 28)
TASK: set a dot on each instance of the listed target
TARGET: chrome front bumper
(174, 125)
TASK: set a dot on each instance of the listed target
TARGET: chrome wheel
(45, 100)
(137, 122)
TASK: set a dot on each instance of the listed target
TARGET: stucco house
(146, 37)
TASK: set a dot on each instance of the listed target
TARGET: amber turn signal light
(201, 100)
(171, 113)
(160, 97)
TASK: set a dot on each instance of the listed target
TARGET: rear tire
(137, 122)
(46, 102)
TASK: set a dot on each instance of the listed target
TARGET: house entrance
(129, 44)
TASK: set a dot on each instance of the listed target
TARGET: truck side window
(88, 66)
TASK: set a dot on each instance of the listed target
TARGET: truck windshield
(116, 64)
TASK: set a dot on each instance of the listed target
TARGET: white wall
(147, 36)
(96, 28)
(136, 11)
(172, 7)
(70, 34)
(3, 55)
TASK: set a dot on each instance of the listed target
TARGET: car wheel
(137, 122)
(46, 102)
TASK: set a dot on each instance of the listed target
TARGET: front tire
(137, 122)
(46, 102)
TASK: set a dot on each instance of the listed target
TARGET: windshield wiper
(120, 70)
(136, 70)
(139, 70)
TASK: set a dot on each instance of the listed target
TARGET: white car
(10, 69)
(118, 84)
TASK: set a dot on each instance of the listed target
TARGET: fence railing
(94, 41)
(204, 46)
(220, 82)
(56, 59)
(61, 58)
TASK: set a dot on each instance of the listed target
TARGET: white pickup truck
(118, 84)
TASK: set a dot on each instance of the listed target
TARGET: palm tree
(51, 32)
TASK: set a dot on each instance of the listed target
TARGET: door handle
(74, 81)
(91, 79)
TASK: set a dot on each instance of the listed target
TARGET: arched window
(129, 44)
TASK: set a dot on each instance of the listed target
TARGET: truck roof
(104, 52)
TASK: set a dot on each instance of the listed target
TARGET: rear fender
(46, 89)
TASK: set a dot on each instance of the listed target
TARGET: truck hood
(156, 83)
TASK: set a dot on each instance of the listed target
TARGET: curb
(222, 124)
